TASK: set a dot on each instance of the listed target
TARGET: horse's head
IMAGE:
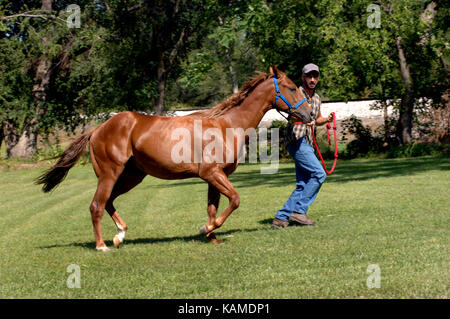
(289, 98)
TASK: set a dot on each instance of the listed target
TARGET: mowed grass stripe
(32, 205)
(45, 213)
(366, 214)
(34, 194)
(157, 207)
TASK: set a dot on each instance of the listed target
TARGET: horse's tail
(55, 175)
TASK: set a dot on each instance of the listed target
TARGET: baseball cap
(310, 67)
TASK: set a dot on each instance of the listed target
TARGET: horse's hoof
(211, 238)
(215, 241)
(116, 241)
(102, 248)
(203, 230)
(206, 229)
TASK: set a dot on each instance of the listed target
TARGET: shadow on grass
(267, 221)
(184, 182)
(346, 171)
(222, 235)
(147, 241)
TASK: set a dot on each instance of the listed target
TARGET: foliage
(14, 81)
(418, 149)
(281, 126)
(224, 60)
(364, 142)
(111, 63)
(141, 55)
(38, 54)
(368, 143)
(358, 60)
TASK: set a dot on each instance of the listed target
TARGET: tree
(171, 28)
(393, 59)
(225, 59)
(119, 59)
(126, 53)
(37, 45)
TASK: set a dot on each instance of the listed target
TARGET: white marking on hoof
(203, 230)
(102, 248)
(118, 239)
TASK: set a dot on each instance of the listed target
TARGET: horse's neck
(251, 111)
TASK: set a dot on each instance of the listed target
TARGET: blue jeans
(310, 176)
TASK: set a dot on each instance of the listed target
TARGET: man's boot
(301, 219)
(278, 223)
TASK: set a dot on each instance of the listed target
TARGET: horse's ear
(274, 71)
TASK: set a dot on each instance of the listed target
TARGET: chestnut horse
(129, 146)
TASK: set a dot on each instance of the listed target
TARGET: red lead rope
(329, 142)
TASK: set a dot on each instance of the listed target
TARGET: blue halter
(281, 96)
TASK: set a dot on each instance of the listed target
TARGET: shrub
(364, 143)
(418, 149)
(281, 125)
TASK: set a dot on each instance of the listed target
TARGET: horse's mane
(236, 99)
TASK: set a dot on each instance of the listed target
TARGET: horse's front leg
(213, 205)
(219, 180)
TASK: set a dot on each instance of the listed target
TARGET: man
(309, 173)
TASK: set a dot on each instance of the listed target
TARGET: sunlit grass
(392, 213)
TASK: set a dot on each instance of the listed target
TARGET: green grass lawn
(392, 213)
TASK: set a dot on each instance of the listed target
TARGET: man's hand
(323, 120)
(312, 123)
(330, 117)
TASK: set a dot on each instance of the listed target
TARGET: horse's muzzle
(304, 115)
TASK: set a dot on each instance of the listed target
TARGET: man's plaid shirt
(296, 131)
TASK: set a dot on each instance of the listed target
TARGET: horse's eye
(293, 89)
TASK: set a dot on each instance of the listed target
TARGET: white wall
(342, 110)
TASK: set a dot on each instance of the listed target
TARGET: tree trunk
(406, 111)
(404, 125)
(26, 145)
(163, 70)
(386, 120)
(229, 57)
(46, 5)
(160, 104)
(11, 136)
(1, 134)
(234, 82)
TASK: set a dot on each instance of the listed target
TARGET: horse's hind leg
(105, 185)
(130, 177)
(108, 171)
